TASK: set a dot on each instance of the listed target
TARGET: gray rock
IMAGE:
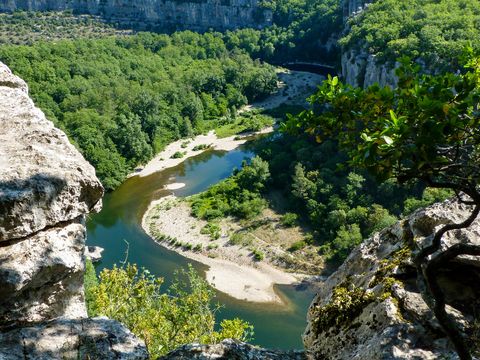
(97, 338)
(43, 179)
(46, 190)
(41, 277)
(394, 321)
(94, 253)
(231, 350)
(159, 14)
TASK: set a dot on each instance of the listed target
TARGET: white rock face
(46, 190)
(362, 70)
(94, 253)
(395, 322)
(43, 178)
(159, 14)
(97, 338)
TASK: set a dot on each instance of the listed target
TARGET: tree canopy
(428, 129)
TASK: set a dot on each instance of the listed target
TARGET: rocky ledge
(231, 350)
(372, 307)
(46, 190)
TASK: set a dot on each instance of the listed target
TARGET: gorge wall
(358, 67)
(46, 190)
(168, 15)
(372, 307)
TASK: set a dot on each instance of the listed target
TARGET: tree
(427, 129)
(164, 320)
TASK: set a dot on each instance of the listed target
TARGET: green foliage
(22, 27)
(239, 195)
(164, 320)
(301, 30)
(211, 229)
(200, 147)
(258, 255)
(346, 303)
(299, 245)
(122, 99)
(177, 155)
(435, 31)
(244, 123)
(430, 195)
(339, 205)
(90, 281)
(289, 219)
(426, 128)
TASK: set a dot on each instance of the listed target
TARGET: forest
(122, 99)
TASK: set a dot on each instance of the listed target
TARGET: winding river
(119, 222)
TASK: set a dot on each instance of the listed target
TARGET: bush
(164, 320)
(258, 255)
(297, 246)
(289, 220)
(177, 155)
(201, 147)
(211, 229)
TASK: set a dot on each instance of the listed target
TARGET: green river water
(275, 326)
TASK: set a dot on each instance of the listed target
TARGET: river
(276, 326)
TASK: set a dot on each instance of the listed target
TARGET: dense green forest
(340, 205)
(304, 29)
(122, 99)
(435, 31)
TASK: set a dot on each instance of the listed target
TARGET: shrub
(211, 229)
(163, 319)
(177, 155)
(258, 255)
(297, 246)
(289, 220)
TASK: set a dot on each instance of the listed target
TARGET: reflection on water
(119, 222)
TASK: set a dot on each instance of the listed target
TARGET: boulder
(372, 306)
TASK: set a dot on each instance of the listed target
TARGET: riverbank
(233, 269)
(293, 88)
(178, 151)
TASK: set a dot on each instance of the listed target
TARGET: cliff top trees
(427, 129)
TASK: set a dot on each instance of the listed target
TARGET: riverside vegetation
(121, 99)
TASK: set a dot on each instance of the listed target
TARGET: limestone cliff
(199, 15)
(359, 67)
(371, 308)
(46, 190)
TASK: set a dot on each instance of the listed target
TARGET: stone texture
(46, 190)
(159, 14)
(94, 253)
(43, 179)
(231, 350)
(397, 323)
(41, 277)
(82, 339)
(362, 69)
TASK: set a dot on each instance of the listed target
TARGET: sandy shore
(164, 159)
(174, 186)
(232, 269)
(293, 88)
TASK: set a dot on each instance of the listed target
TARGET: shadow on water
(119, 221)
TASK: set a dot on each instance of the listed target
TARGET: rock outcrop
(359, 67)
(159, 14)
(46, 190)
(372, 308)
(231, 350)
